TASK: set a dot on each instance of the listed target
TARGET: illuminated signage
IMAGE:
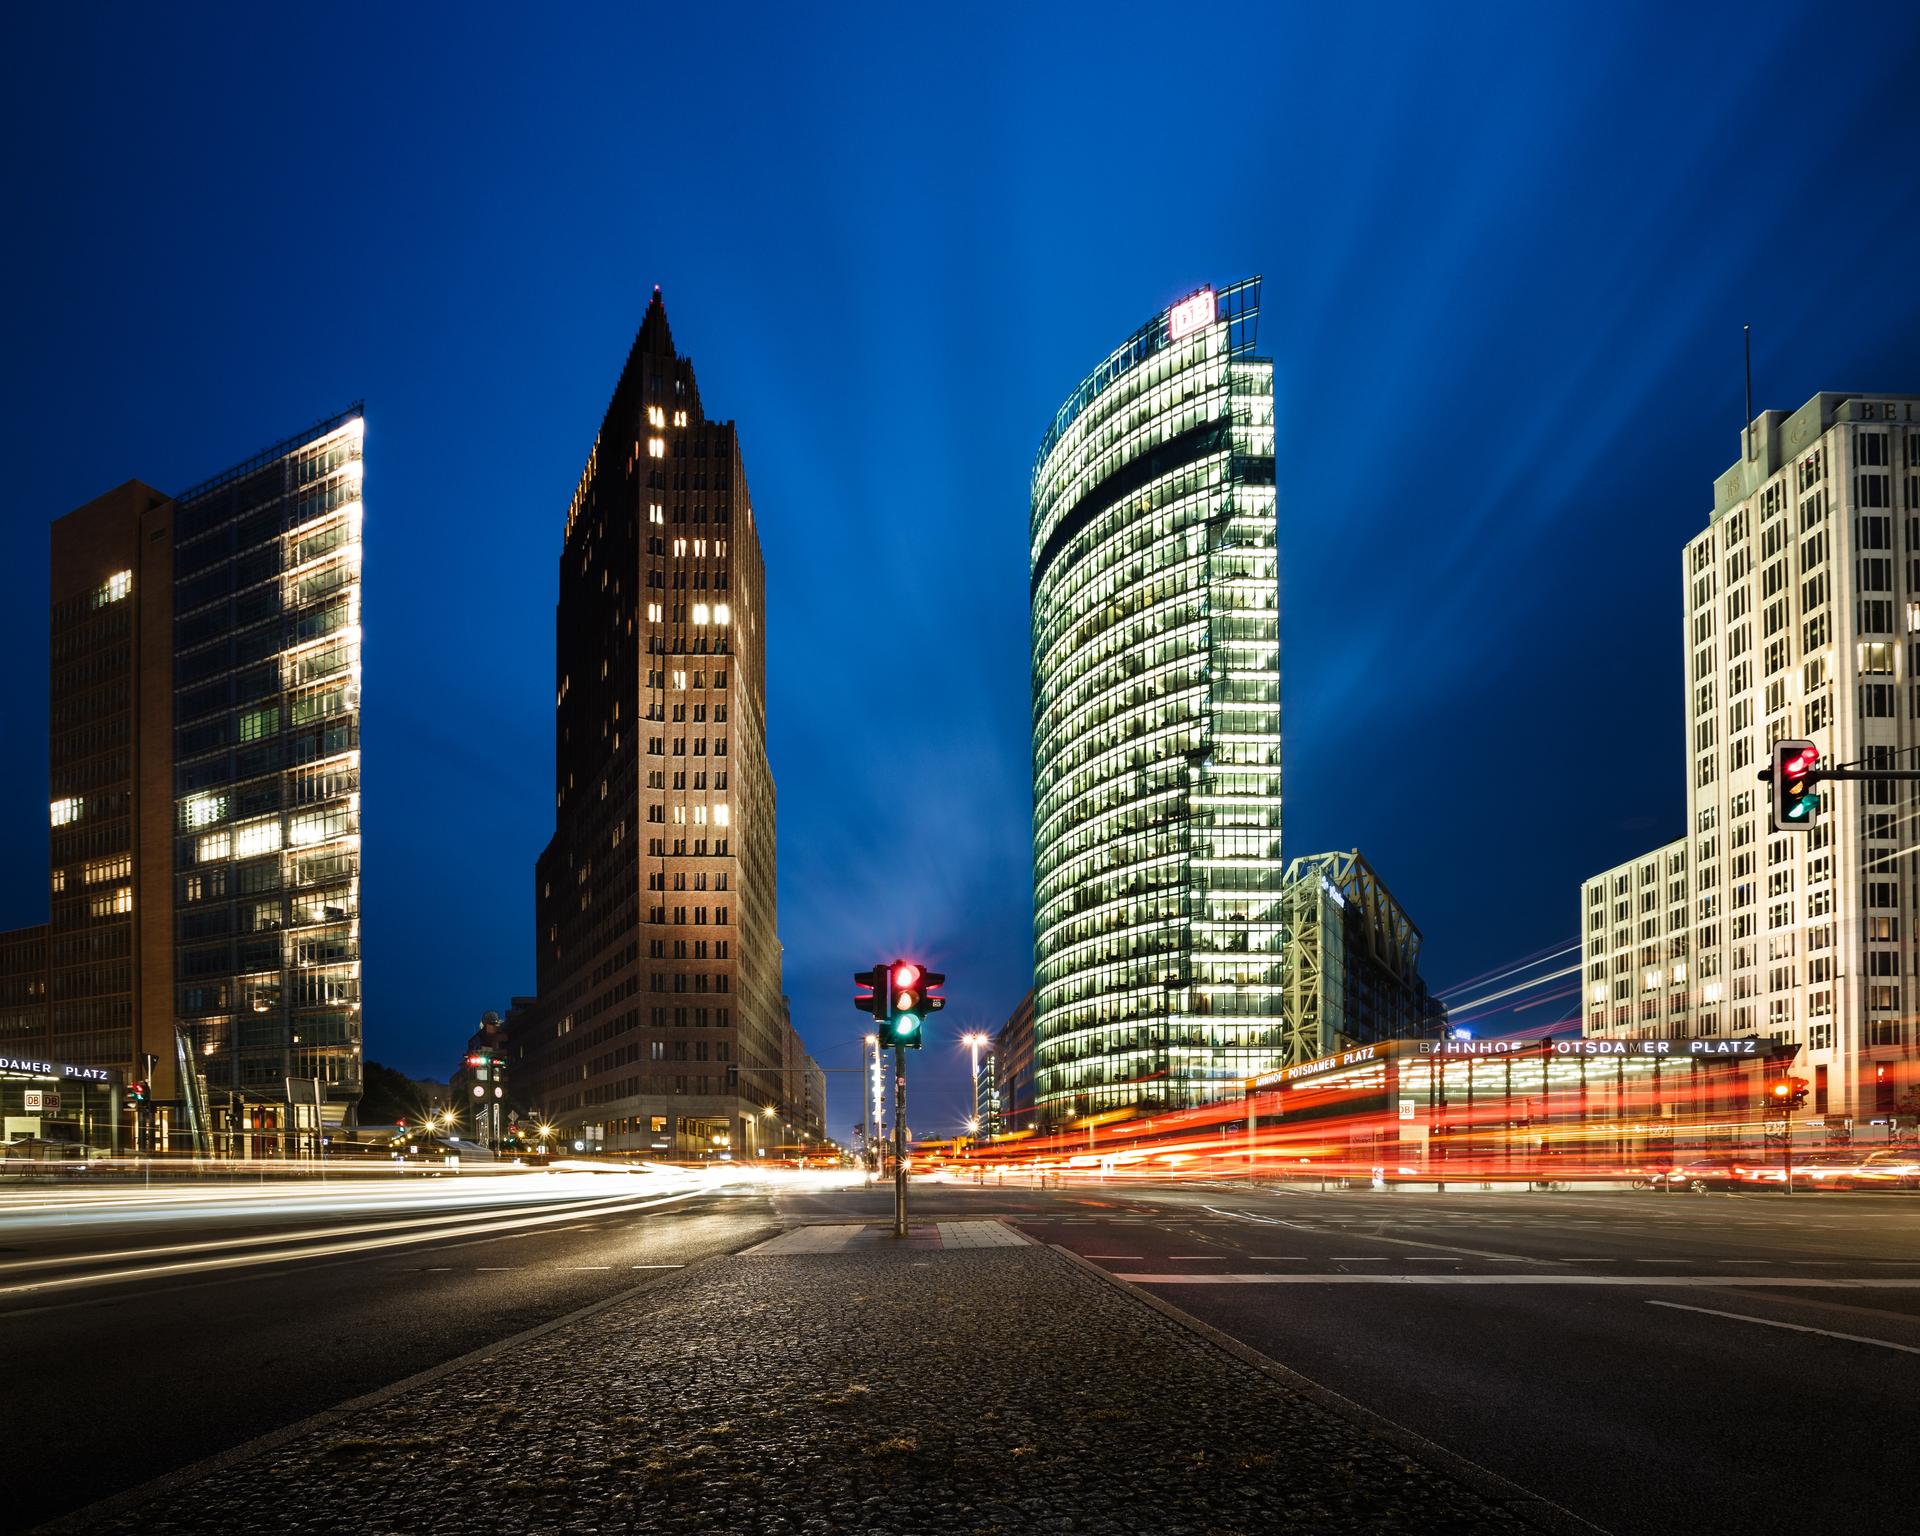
(56, 1069)
(1355, 1058)
(1749, 1047)
(1191, 315)
(1605, 1048)
(1474, 1047)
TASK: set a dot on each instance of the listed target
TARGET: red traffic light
(1794, 769)
(905, 975)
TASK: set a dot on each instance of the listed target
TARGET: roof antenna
(1748, 429)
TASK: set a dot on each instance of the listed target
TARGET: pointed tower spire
(654, 335)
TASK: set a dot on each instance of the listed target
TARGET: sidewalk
(829, 1380)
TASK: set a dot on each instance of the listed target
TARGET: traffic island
(835, 1379)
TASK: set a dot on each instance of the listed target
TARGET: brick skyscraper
(659, 1024)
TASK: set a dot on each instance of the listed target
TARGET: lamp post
(975, 1042)
(875, 1119)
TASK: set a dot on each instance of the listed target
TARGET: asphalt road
(143, 1330)
(1653, 1362)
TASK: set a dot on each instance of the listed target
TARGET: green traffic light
(906, 1025)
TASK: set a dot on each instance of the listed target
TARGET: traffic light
(1794, 772)
(1787, 1093)
(139, 1092)
(899, 996)
(874, 999)
(905, 1004)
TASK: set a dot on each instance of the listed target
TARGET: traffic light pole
(899, 1141)
(1880, 775)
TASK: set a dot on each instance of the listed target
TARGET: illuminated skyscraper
(266, 730)
(659, 1024)
(1156, 720)
(1801, 599)
(204, 766)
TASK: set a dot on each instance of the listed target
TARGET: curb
(85, 1518)
(1540, 1513)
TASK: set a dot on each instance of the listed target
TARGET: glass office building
(266, 723)
(1156, 721)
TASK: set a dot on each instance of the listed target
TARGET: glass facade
(1156, 721)
(266, 716)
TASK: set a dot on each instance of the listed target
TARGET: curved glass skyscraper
(1156, 720)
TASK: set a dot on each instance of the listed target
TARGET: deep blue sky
(1508, 251)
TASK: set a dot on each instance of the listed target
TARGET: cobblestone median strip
(882, 1388)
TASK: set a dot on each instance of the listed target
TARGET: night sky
(1508, 251)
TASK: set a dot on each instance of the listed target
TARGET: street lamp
(975, 1041)
(876, 1114)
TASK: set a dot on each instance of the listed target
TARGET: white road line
(1776, 1282)
(1404, 1242)
(1768, 1322)
(659, 1266)
(579, 1268)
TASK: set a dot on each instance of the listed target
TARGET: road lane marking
(1768, 1322)
(659, 1266)
(578, 1268)
(1777, 1282)
(1404, 1242)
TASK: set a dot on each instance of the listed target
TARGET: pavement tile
(883, 1387)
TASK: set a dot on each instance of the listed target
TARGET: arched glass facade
(1156, 721)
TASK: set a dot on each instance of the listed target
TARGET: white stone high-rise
(1802, 619)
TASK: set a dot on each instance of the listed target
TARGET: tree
(387, 1096)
